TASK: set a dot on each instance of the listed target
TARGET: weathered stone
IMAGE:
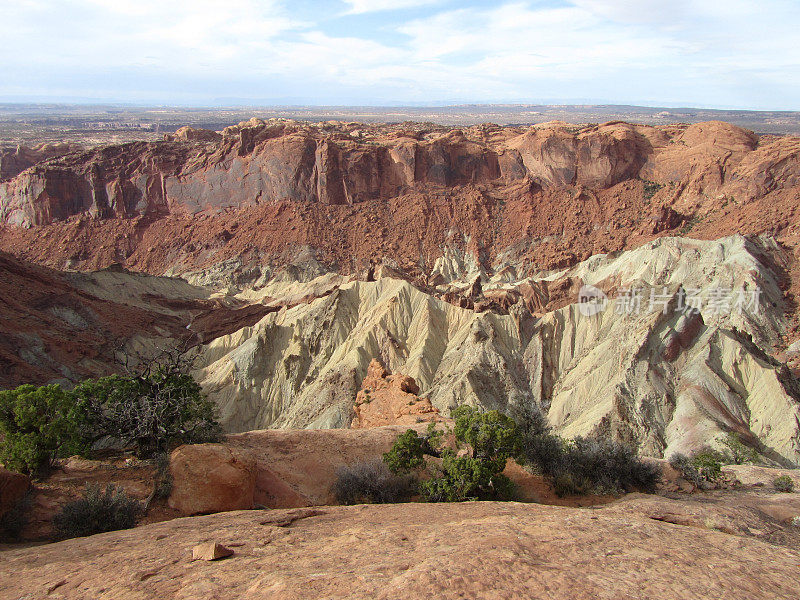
(210, 551)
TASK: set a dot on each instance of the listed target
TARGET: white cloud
(367, 6)
(725, 52)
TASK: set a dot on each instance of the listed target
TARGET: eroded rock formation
(390, 400)
(455, 257)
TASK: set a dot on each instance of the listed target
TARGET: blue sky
(706, 53)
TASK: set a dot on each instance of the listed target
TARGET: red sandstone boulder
(208, 478)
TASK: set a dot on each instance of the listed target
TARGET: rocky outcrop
(15, 160)
(390, 400)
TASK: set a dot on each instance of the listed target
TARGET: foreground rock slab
(629, 549)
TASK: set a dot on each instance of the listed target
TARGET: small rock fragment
(210, 551)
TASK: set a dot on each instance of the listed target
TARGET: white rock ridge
(665, 379)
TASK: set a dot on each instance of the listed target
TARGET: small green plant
(683, 464)
(162, 480)
(98, 511)
(651, 188)
(784, 483)
(371, 482)
(737, 452)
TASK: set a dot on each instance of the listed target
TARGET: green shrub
(97, 512)
(371, 482)
(703, 467)
(571, 484)
(406, 454)
(153, 412)
(604, 467)
(709, 463)
(40, 424)
(784, 483)
(737, 453)
(492, 437)
(467, 478)
(150, 413)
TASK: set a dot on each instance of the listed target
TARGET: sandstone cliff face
(359, 193)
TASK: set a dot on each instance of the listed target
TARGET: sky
(699, 53)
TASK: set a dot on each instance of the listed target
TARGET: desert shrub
(650, 188)
(582, 466)
(603, 466)
(466, 478)
(540, 448)
(150, 411)
(407, 453)
(566, 483)
(492, 438)
(162, 480)
(684, 465)
(98, 511)
(39, 424)
(784, 483)
(703, 467)
(14, 521)
(371, 482)
(737, 453)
